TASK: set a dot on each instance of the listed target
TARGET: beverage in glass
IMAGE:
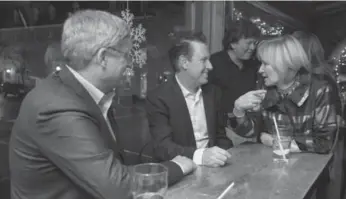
(282, 142)
(150, 181)
(281, 153)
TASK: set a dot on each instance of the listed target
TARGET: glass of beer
(150, 181)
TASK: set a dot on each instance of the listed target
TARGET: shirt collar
(102, 100)
(297, 96)
(186, 92)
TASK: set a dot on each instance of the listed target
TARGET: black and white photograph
(172, 99)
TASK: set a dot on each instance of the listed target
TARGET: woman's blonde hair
(283, 53)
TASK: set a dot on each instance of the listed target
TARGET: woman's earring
(104, 62)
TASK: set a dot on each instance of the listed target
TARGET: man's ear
(232, 45)
(183, 62)
(101, 57)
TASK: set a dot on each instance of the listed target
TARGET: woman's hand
(266, 139)
(250, 101)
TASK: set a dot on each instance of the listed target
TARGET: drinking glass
(150, 181)
(282, 143)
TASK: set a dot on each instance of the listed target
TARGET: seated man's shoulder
(49, 95)
(42, 92)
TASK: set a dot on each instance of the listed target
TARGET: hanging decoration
(265, 28)
(340, 62)
(137, 53)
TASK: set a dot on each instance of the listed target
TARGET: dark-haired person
(183, 113)
(234, 68)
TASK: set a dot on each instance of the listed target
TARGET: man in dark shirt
(234, 68)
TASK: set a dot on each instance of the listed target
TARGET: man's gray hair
(85, 32)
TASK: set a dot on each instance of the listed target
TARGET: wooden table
(255, 176)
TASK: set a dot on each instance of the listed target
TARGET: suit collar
(186, 92)
(179, 101)
(94, 92)
(70, 81)
(81, 86)
(208, 100)
(209, 107)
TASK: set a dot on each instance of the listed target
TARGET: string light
(341, 62)
(266, 29)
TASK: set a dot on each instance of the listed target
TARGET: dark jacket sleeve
(158, 116)
(222, 140)
(71, 140)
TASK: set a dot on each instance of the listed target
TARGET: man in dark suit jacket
(63, 145)
(183, 113)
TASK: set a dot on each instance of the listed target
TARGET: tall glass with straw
(281, 141)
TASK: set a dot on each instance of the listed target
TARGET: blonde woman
(291, 94)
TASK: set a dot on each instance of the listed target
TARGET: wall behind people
(167, 17)
(9, 16)
(330, 30)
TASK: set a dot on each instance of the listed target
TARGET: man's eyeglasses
(127, 55)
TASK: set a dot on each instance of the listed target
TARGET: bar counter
(255, 175)
(251, 167)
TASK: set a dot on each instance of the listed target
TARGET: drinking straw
(226, 190)
(279, 138)
(22, 18)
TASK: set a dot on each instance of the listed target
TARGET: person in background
(321, 67)
(64, 142)
(184, 113)
(234, 68)
(315, 52)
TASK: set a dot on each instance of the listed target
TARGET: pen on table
(226, 190)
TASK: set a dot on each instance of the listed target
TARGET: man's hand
(186, 164)
(215, 157)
